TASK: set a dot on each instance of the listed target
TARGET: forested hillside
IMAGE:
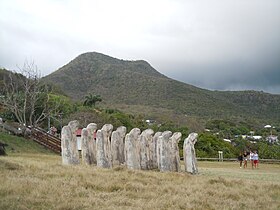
(137, 83)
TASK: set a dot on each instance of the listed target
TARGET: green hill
(137, 84)
(18, 145)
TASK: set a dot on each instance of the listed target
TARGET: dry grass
(33, 181)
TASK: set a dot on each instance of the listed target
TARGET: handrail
(45, 132)
(46, 139)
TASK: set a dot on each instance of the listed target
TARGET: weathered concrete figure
(85, 147)
(117, 146)
(144, 147)
(157, 145)
(101, 156)
(91, 128)
(152, 140)
(189, 154)
(175, 156)
(165, 151)
(131, 147)
(136, 150)
(89, 144)
(69, 150)
(66, 136)
(122, 131)
(107, 128)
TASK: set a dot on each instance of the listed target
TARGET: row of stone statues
(136, 150)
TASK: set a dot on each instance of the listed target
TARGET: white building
(272, 139)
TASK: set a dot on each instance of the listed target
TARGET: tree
(208, 145)
(90, 100)
(26, 97)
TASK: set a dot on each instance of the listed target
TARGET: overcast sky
(213, 44)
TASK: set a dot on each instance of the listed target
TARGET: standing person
(245, 159)
(240, 159)
(256, 159)
(251, 158)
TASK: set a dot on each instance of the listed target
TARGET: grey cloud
(224, 45)
(231, 76)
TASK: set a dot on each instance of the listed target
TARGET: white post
(221, 158)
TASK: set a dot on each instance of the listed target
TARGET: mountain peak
(97, 62)
(138, 84)
(97, 56)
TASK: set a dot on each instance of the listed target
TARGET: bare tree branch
(26, 97)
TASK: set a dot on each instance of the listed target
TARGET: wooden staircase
(47, 140)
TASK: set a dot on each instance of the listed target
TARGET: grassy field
(34, 180)
(20, 145)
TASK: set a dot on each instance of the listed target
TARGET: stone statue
(157, 149)
(146, 149)
(175, 156)
(66, 137)
(69, 150)
(117, 146)
(165, 151)
(92, 127)
(189, 154)
(101, 158)
(143, 150)
(131, 147)
(103, 146)
(89, 144)
(136, 150)
(108, 128)
(85, 147)
(122, 131)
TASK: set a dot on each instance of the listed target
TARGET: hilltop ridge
(137, 83)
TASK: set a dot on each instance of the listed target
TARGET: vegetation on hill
(91, 100)
(209, 142)
(126, 86)
(137, 84)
